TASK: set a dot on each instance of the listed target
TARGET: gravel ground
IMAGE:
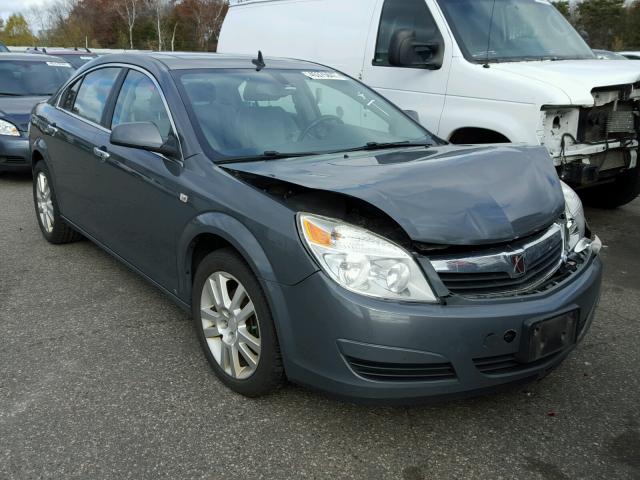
(101, 376)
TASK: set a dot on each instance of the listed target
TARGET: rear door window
(91, 99)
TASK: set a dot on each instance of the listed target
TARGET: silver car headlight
(362, 261)
(576, 223)
(8, 128)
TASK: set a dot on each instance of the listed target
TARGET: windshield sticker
(86, 58)
(324, 75)
(59, 64)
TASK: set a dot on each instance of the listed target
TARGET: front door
(142, 210)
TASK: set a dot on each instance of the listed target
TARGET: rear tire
(234, 324)
(53, 227)
(624, 189)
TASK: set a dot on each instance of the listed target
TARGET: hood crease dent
(452, 195)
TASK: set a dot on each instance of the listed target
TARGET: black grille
(478, 284)
(599, 124)
(402, 372)
(503, 364)
(12, 160)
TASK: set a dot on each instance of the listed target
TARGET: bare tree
(41, 23)
(160, 10)
(173, 36)
(128, 11)
(208, 15)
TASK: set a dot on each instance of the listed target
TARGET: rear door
(411, 88)
(141, 211)
(71, 144)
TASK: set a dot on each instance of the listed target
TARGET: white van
(475, 71)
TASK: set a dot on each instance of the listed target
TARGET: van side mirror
(405, 51)
(144, 136)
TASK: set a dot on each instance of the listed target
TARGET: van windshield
(513, 30)
(243, 113)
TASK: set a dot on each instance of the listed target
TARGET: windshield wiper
(385, 145)
(268, 155)
(7, 94)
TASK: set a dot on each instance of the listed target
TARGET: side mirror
(413, 114)
(405, 51)
(144, 136)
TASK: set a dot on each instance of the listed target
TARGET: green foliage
(183, 24)
(603, 20)
(17, 32)
(564, 8)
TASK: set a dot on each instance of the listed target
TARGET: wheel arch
(477, 135)
(211, 231)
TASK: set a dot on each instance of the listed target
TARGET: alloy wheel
(230, 325)
(45, 204)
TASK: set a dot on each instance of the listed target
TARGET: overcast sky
(7, 7)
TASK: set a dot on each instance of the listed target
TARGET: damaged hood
(576, 78)
(17, 110)
(448, 195)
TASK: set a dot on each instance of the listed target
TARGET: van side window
(404, 15)
(93, 94)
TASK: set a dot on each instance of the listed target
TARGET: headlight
(8, 128)
(574, 212)
(364, 262)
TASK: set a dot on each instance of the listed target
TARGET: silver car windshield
(513, 30)
(246, 112)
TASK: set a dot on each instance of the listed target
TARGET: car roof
(28, 57)
(187, 61)
(64, 51)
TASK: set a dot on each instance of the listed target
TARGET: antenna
(259, 62)
(493, 8)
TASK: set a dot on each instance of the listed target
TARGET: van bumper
(333, 339)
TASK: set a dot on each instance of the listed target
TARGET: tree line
(195, 24)
(127, 24)
(606, 24)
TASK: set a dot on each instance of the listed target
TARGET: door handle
(51, 130)
(101, 154)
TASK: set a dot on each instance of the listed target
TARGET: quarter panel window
(404, 15)
(68, 98)
(93, 94)
(140, 101)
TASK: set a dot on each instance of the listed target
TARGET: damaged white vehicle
(474, 71)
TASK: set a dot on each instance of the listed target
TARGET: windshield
(242, 113)
(26, 77)
(513, 30)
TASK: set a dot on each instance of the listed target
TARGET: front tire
(234, 325)
(624, 189)
(51, 224)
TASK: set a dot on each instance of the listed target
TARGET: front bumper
(327, 334)
(14, 153)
